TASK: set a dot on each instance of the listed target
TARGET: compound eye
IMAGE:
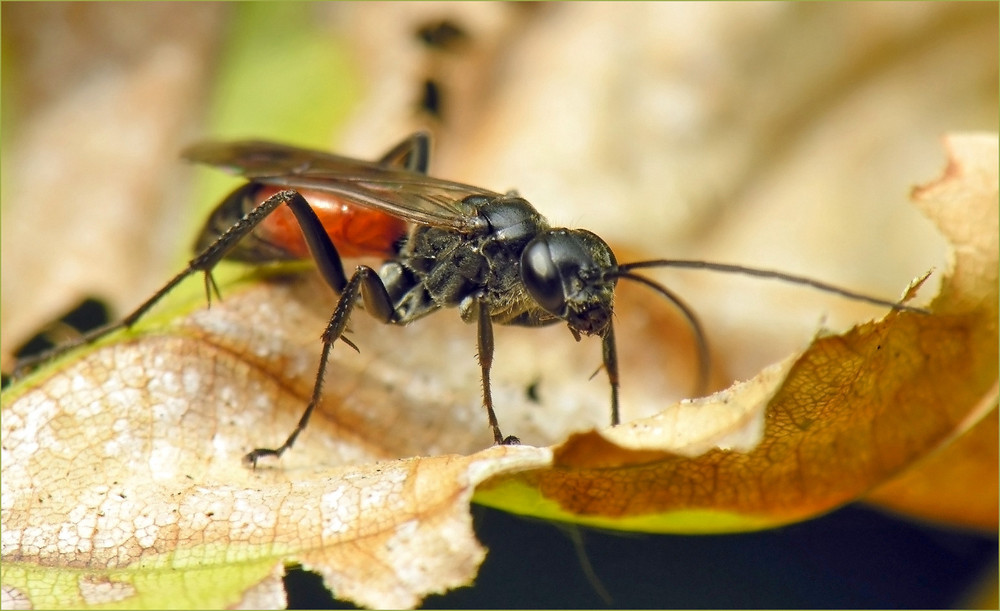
(541, 277)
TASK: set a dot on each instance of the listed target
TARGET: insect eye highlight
(541, 276)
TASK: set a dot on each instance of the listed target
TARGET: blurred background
(779, 135)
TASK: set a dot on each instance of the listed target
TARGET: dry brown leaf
(954, 486)
(126, 466)
(958, 484)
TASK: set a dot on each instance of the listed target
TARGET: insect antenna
(704, 363)
(769, 275)
(704, 360)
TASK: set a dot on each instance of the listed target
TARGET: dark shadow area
(852, 558)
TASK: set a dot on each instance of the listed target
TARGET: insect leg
(317, 239)
(365, 283)
(610, 355)
(485, 337)
(324, 253)
(413, 154)
(204, 262)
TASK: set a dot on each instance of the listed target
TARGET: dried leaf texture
(112, 467)
(958, 484)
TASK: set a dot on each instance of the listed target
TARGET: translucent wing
(382, 185)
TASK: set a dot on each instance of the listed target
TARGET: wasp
(443, 244)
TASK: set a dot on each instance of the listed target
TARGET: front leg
(609, 352)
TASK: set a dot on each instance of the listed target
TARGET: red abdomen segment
(355, 231)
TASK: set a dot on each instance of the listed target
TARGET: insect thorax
(443, 268)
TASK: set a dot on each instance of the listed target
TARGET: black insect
(445, 245)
